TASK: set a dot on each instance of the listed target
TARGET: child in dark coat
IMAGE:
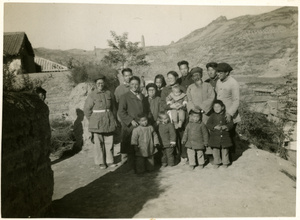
(220, 140)
(195, 138)
(144, 140)
(167, 137)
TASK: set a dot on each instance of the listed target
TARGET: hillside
(264, 44)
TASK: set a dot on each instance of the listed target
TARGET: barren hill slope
(264, 44)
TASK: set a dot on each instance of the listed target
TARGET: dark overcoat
(219, 138)
(130, 106)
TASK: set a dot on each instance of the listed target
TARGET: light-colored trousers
(103, 149)
(217, 156)
(194, 156)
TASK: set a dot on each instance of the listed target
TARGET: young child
(219, 140)
(195, 138)
(160, 82)
(167, 137)
(174, 99)
(154, 102)
(144, 140)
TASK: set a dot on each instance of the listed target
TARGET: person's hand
(172, 145)
(134, 123)
(173, 106)
(228, 117)
(224, 128)
(183, 142)
(179, 106)
(218, 127)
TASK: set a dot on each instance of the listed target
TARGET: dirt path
(258, 184)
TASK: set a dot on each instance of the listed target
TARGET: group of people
(168, 124)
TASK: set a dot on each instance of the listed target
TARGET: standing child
(160, 82)
(220, 140)
(195, 138)
(144, 140)
(154, 102)
(167, 136)
(177, 101)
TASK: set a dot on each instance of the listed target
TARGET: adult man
(212, 73)
(123, 88)
(186, 79)
(228, 91)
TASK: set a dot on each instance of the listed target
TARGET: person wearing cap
(200, 95)
(100, 111)
(212, 74)
(186, 79)
(228, 91)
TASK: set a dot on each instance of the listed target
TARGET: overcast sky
(83, 26)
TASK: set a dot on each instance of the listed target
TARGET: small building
(18, 53)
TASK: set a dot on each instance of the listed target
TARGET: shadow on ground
(117, 194)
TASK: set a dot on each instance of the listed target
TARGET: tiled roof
(15, 42)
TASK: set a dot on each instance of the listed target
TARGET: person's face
(195, 117)
(151, 92)
(134, 85)
(164, 119)
(176, 91)
(218, 108)
(222, 75)
(212, 73)
(158, 83)
(197, 77)
(172, 79)
(127, 75)
(143, 122)
(100, 84)
(42, 96)
(184, 69)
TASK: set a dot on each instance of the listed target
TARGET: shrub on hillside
(258, 130)
(87, 72)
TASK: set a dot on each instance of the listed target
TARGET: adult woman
(200, 94)
(160, 82)
(172, 78)
(98, 109)
(131, 105)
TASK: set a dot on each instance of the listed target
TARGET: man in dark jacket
(186, 79)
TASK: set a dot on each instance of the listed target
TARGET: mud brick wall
(58, 89)
(27, 178)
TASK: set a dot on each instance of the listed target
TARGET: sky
(83, 26)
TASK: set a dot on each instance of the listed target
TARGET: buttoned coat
(100, 122)
(130, 106)
(195, 136)
(219, 138)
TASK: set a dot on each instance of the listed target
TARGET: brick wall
(27, 178)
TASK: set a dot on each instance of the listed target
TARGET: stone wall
(58, 90)
(27, 179)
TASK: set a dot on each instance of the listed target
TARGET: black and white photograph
(149, 109)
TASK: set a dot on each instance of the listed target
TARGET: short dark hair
(183, 62)
(219, 102)
(173, 73)
(142, 115)
(39, 89)
(151, 85)
(212, 65)
(192, 112)
(135, 78)
(160, 76)
(126, 70)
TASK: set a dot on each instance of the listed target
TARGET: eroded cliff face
(27, 178)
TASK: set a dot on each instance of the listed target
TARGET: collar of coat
(133, 95)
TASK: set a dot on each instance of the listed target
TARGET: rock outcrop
(27, 178)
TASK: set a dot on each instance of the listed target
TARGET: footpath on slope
(257, 184)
